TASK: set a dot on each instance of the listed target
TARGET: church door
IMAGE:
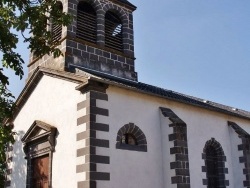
(40, 175)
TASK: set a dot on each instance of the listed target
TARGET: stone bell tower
(100, 39)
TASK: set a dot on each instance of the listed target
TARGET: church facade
(83, 120)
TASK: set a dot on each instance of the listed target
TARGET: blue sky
(196, 47)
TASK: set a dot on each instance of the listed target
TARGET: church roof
(82, 75)
(169, 94)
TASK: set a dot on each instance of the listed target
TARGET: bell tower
(100, 39)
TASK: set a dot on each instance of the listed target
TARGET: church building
(83, 120)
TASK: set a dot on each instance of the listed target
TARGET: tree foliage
(24, 16)
(6, 134)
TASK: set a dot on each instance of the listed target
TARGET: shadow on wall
(19, 163)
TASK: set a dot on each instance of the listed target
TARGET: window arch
(56, 29)
(113, 31)
(86, 22)
(215, 159)
(130, 137)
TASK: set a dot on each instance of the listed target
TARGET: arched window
(214, 157)
(56, 28)
(113, 31)
(130, 137)
(212, 167)
(86, 22)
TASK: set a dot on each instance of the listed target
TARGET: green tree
(24, 16)
(6, 134)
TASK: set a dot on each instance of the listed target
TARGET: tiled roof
(172, 95)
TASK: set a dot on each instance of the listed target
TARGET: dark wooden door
(40, 176)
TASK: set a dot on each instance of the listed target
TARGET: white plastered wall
(131, 168)
(53, 101)
(145, 170)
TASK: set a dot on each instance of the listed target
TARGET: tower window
(86, 22)
(117, 30)
(113, 31)
(56, 28)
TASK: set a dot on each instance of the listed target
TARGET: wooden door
(40, 175)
